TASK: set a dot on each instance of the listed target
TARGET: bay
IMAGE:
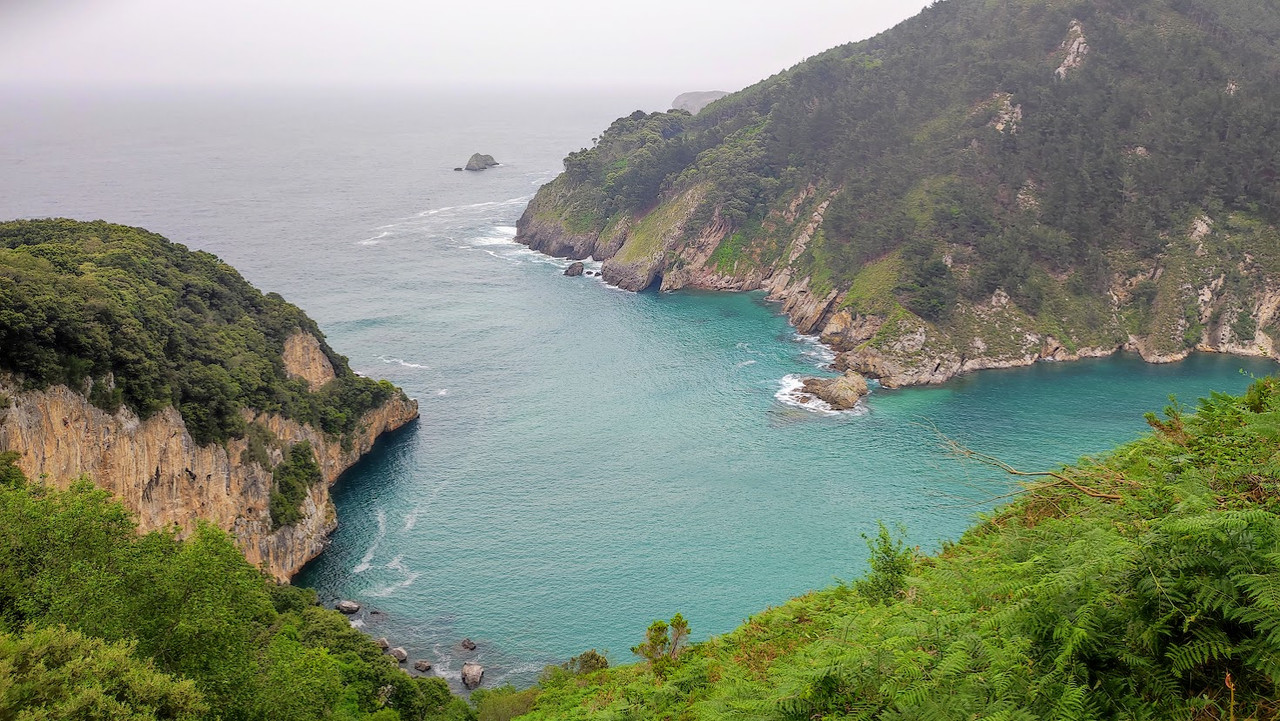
(587, 459)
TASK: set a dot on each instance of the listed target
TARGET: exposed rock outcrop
(304, 358)
(574, 270)
(166, 479)
(841, 393)
(481, 162)
(472, 674)
(695, 101)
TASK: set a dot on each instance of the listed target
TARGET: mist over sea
(587, 459)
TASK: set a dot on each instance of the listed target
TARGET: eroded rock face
(472, 674)
(161, 475)
(303, 358)
(841, 393)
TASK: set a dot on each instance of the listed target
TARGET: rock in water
(347, 607)
(574, 270)
(399, 654)
(468, 644)
(481, 162)
(422, 666)
(383, 644)
(841, 393)
(472, 674)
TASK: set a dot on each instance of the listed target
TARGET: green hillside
(133, 319)
(1022, 177)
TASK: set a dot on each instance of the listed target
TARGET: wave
(375, 239)
(367, 559)
(401, 361)
(819, 352)
(746, 363)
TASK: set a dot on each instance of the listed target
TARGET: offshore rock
(472, 674)
(399, 654)
(468, 644)
(383, 643)
(841, 393)
(422, 666)
(347, 607)
(481, 162)
(575, 269)
(165, 479)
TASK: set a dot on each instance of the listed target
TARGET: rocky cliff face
(304, 358)
(161, 475)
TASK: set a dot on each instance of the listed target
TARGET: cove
(589, 460)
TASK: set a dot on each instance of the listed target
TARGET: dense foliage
(99, 622)
(954, 140)
(1141, 585)
(131, 318)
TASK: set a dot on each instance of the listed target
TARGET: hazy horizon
(667, 46)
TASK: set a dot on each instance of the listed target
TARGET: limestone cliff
(165, 478)
(304, 358)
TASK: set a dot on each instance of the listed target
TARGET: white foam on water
(401, 362)
(746, 363)
(820, 352)
(442, 392)
(367, 560)
(397, 564)
(356, 623)
(375, 239)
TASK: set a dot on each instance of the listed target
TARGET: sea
(587, 460)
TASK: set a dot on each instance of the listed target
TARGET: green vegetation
(1141, 585)
(129, 318)
(98, 622)
(952, 142)
(294, 477)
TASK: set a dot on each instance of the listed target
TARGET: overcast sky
(689, 44)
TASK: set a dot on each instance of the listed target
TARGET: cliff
(161, 375)
(695, 101)
(167, 479)
(965, 191)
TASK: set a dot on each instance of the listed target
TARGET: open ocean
(587, 460)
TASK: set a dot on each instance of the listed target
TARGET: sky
(687, 44)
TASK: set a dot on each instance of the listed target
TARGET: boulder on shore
(481, 162)
(347, 607)
(841, 393)
(472, 674)
(383, 644)
(422, 666)
(468, 644)
(574, 270)
(399, 654)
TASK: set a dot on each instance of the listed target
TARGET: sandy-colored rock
(472, 674)
(841, 393)
(161, 475)
(422, 666)
(347, 607)
(303, 358)
(399, 654)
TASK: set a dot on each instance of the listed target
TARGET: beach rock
(841, 393)
(468, 644)
(383, 644)
(347, 607)
(481, 162)
(399, 654)
(472, 674)
(422, 666)
(574, 270)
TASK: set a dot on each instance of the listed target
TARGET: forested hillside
(989, 183)
(133, 319)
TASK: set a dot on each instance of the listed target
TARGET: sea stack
(841, 393)
(481, 162)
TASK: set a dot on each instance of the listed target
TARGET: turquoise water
(587, 460)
